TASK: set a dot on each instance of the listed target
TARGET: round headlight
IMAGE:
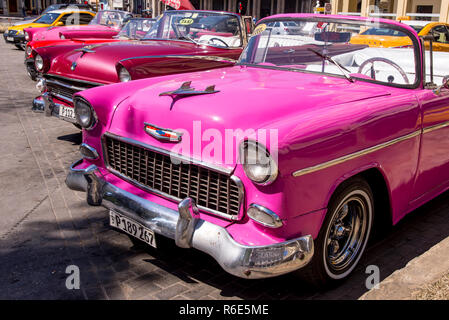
(27, 36)
(28, 51)
(124, 75)
(84, 114)
(39, 63)
(257, 162)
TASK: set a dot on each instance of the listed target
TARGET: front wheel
(343, 235)
(19, 46)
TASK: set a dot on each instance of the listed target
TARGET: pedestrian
(24, 12)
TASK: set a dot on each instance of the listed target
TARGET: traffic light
(241, 6)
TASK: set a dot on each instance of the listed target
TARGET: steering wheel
(211, 40)
(387, 61)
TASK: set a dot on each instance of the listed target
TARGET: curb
(422, 270)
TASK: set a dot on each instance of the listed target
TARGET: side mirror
(445, 83)
(59, 24)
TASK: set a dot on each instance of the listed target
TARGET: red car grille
(212, 191)
(65, 88)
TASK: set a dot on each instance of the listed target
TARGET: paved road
(45, 227)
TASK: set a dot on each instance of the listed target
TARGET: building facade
(436, 10)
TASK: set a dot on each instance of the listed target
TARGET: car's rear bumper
(188, 230)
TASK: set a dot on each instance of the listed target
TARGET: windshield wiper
(188, 38)
(343, 70)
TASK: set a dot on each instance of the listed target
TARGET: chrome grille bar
(215, 192)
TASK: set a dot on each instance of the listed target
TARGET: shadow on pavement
(34, 257)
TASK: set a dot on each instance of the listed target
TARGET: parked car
(385, 38)
(105, 24)
(286, 27)
(181, 41)
(15, 34)
(287, 161)
(134, 29)
(57, 6)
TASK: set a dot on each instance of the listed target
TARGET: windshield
(217, 29)
(109, 18)
(136, 28)
(48, 18)
(51, 8)
(327, 47)
(383, 32)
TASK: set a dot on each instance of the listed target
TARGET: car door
(433, 169)
(441, 35)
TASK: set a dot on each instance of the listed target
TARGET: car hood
(248, 98)
(55, 32)
(99, 63)
(28, 25)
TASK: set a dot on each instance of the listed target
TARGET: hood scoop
(186, 91)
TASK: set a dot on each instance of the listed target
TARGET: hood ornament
(186, 90)
(166, 135)
(85, 50)
(73, 66)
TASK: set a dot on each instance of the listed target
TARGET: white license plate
(10, 38)
(67, 112)
(132, 228)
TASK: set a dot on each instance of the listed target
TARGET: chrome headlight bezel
(39, 63)
(124, 75)
(251, 154)
(27, 36)
(28, 51)
(84, 113)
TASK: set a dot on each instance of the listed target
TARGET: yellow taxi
(386, 38)
(14, 34)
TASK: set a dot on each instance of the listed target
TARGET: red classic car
(105, 24)
(135, 28)
(180, 41)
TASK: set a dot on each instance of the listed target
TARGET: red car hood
(55, 32)
(99, 65)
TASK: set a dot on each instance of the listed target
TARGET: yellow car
(387, 38)
(14, 34)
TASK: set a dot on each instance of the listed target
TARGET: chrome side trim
(355, 154)
(436, 127)
(237, 180)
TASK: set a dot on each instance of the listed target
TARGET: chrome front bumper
(45, 104)
(189, 230)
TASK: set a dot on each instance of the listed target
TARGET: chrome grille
(65, 89)
(212, 191)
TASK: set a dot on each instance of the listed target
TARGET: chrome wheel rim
(347, 234)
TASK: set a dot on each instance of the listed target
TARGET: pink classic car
(179, 42)
(287, 161)
(105, 24)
